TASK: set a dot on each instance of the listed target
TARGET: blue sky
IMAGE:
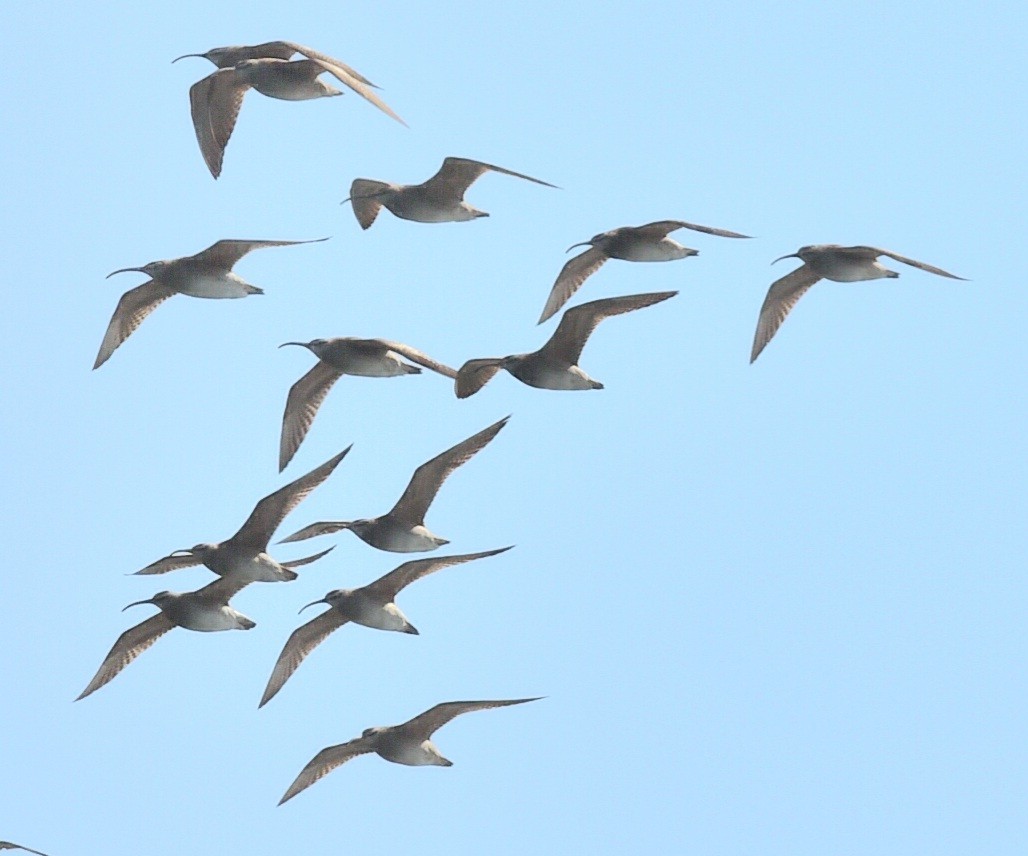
(774, 609)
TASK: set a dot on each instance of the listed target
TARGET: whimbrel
(371, 605)
(7, 845)
(226, 57)
(402, 529)
(243, 556)
(555, 364)
(215, 101)
(408, 743)
(438, 200)
(648, 243)
(205, 610)
(336, 357)
(207, 274)
(823, 261)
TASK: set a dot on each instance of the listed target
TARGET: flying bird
(408, 743)
(215, 101)
(207, 274)
(244, 556)
(371, 605)
(338, 357)
(205, 610)
(649, 243)
(438, 200)
(402, 529)
(555, 364)
(226, 57)
(823, 261)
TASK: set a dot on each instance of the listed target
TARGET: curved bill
(313, 603)
(138, 603)
(123, 270)
(202, 56)
(790, 256)
(301, 344)
(583, 244)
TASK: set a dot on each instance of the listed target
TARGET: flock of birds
(243, 558)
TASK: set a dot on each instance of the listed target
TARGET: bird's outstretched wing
(325, 762)
(365, 201)
(570, 279)
(475, 374)
(661, 228)
(130, 645)
(302, 403)
(388, 586)
(456, 175)
(301, 642)
(224, 254)
(214, 104)
(343, 74)
(269, 513)
(134, 306)
(170, 563)
(578, 323)
(781, 298)
(416, 356)
(424, 725)
(411, 507)
(913, 262)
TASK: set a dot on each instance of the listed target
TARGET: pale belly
(388, 365)
(220, 287)
(427, 211)
(387, 617)
(397, 539)
(844, 270)
(412, 754)
(260, 568)
(291, 91)
(556, 377)
(208, 619)
(665, 250)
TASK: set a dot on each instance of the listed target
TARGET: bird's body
(408, 743)
(387, 533)
(338, 357)
(648, 243)
(205, 610)
(283, 79)
(244, 557)
(207, 274)
(215, 101)
(196, 611)
(438, 200)
(555, 364)
(402, 529)
(824, 261)
(371, 606)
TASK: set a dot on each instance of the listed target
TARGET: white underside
(425, 212)
(415, 754)
(572, 378)
(217, 287)
(415, 540)
(260, 569)
(388, 366)
(386, 617)
(856, 272)
(207, 619)
(664, 251)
